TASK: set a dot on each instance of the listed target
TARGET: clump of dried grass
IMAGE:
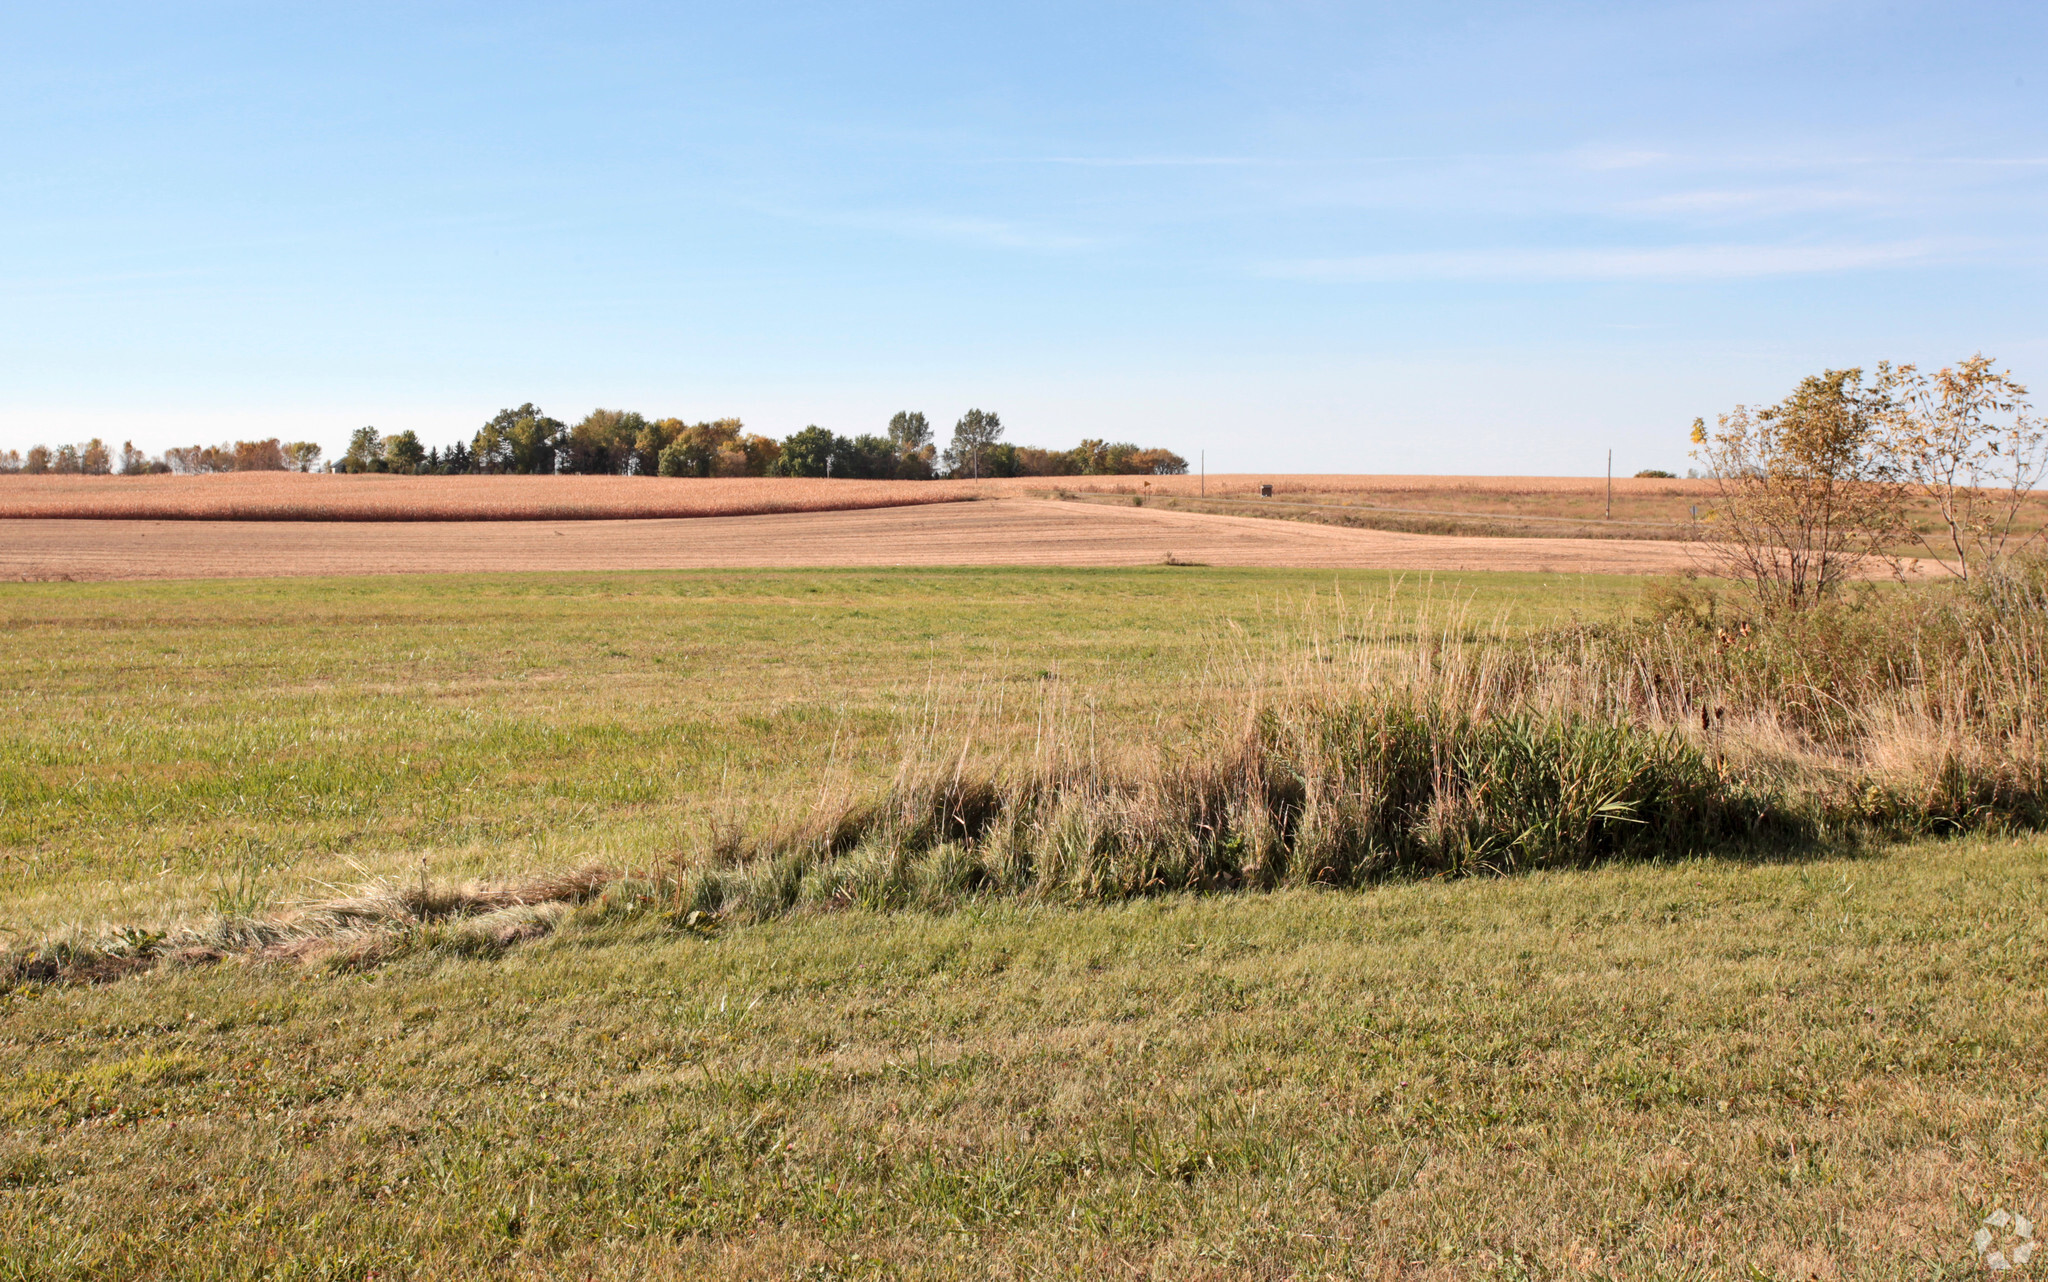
(1922, 709)
(375, 923)
(1311, 788)
(1429, 746)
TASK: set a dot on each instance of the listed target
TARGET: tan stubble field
(1014, 531)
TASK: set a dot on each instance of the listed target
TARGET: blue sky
(1308, 237)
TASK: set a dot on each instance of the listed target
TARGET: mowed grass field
(159, 734)
(1822, 1066)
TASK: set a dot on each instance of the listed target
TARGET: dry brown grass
(377, 921)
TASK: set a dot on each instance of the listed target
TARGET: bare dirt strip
(991, 532)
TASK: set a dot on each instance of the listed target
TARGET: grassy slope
(162, 743)
(1828, 1067)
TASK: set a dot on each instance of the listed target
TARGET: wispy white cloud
(1661, 263)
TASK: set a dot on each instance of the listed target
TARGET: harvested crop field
(994, 532)
(1419, 487)
(292, 496)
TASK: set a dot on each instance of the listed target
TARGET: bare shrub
(1805, 497)
(380, 922)
(1965, 438)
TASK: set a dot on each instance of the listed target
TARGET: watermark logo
(2004, 1240)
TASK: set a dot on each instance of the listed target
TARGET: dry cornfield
(292, 496)
(999, 532)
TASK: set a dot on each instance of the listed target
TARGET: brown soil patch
(997, 532)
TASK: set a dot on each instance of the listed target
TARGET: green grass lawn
(1826, 1067)
(1704, 1070)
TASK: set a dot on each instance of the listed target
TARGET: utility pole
(1610, 485)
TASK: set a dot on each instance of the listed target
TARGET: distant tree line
(622, 443)
(94, 458)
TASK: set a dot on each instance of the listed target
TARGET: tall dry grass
(1427, 745)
